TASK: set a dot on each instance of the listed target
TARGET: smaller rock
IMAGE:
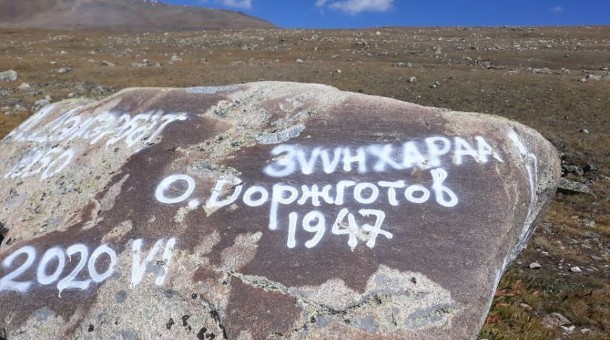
(555, 320)
(436, 84)
(568, 330)
(593, 77)
(526, 307)
(64, 69)
(299, 61)
(10, 75)
(144, 63)
(407, 65)
(107, 63)
(175, 59)
(39, 104)
(412, 80)
(584, 131)
(572, 169)
(567, 186)
(535, 265)
(585, 331)
(544, 70)
(582, 80)
(575, 269)
(338, 71)
(24, 87)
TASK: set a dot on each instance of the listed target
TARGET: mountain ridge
(121, 15)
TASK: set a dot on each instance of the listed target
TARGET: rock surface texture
(262, 210)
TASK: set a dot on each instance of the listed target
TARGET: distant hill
(121, 15)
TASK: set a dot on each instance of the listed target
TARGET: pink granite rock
(262, 210)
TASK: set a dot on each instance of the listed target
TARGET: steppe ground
(555, 80)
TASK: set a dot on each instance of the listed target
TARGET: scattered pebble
(555, 320)
(64, 69)
(299, 61)
(39, 104)
(535, 265)
(526, 306)
(575, 269)
(593, 77)
(10, 75)
(567, 186)
(24, 87)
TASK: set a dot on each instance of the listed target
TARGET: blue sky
(375, 13)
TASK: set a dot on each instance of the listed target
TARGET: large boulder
(262, 210)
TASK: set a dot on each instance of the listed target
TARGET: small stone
(582, 80)
(338, 71)
(64, 69)
(39, 104)
(584, 131)
(24, 87)
(107, 63)
(593, 77)
(144, 63)
(9, 75)
(175, 59)
(555, 320)
(299, 61)
(585, 331)
(412, 80)
(575, 269)
(526, 306)
(436, 84)
(535, 265)
(544, 70)
(567, 186)
(568, 330)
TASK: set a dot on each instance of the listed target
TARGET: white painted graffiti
(340, 193)
(49, 158)
(364, 223)
(290, 159)
(53, 263)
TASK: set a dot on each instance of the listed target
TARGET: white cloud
(357, 6)
(557, 9)
(245, 4)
